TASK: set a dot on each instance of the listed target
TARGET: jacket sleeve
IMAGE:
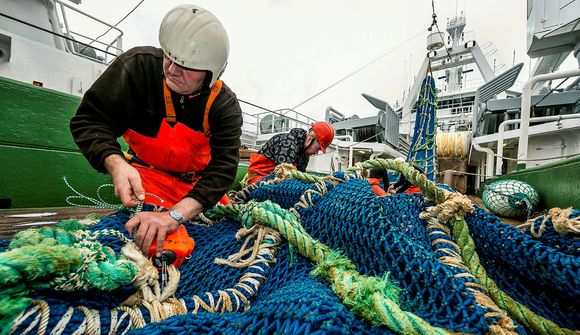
(302, 163)
(103, 115)
(226, 128)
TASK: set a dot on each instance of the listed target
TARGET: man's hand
(150, 226)
(156, 225)
(126, 179)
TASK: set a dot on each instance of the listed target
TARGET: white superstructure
(38, 47)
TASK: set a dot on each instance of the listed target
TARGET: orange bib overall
(177, 151)
(260, 167)
(375, 184)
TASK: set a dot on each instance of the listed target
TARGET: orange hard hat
(324, 134)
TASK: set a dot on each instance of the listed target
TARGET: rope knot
(561, 222)
(284, 171)
(147, 279)
(454, 206)
(258, 239)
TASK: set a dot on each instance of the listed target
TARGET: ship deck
(15, 220)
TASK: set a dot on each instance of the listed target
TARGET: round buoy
(510, 198)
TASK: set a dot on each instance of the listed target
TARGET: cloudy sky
(283, 52)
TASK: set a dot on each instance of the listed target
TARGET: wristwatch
(176, 215)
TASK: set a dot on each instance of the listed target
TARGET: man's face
(182, 80)
(313, 148)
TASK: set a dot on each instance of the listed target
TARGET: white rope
(64, 320)
(262, 251)
(23, 317)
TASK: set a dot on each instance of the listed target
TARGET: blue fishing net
(381, 236)
(532, 271)
(385, 235)
(542, 229)
(423, 150)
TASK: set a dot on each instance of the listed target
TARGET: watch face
(175, 214)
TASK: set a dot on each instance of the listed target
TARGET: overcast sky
(283, 52)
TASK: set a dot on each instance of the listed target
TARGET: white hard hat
(194, 38)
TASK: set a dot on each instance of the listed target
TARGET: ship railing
(278, 121)
(526, 108)
(83, 46)
(502, 130)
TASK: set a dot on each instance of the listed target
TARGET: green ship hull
(558, 184)
(37, 150)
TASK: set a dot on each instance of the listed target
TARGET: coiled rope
(69, 255)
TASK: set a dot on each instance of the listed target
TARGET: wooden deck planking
(15, 220)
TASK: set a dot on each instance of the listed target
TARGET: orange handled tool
(178, 245)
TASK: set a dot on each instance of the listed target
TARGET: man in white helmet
(182, 124)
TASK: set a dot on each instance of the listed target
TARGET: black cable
(257, 106)
(545, 96)
(351, 74)
(437, 26)
(115, 25)
(53, 33)
(358, 70)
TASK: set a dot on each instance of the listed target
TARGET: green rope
(99, 266)
(414, 176)
(372, 298)
(26, 269)
(10, 308)
(304, 176)
(64, 257)
(466, 244)
(532, 321)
